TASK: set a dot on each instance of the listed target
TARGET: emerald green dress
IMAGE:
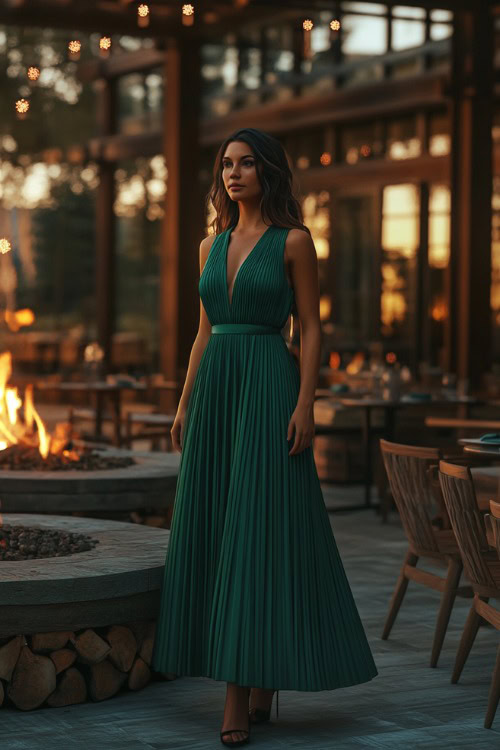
(254, 590)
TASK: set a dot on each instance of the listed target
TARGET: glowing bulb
(335, 25)
(188, 14)
(105, 42)
(307, 24)
(74, 46)
(22, 106)
(5, 246)
(143, 15)
(33, 73)
(325, 159)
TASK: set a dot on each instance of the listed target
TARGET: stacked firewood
(63, 668)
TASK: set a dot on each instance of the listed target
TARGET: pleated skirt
(254, 590)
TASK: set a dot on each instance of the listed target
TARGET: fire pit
(30, 543)
(57, 473)
(149, 482)
(79, 626)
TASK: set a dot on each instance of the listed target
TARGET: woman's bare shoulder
(205, 246)
(298, 243)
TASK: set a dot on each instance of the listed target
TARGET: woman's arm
(301, 253)
(202, 337)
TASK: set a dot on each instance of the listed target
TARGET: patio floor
(409, 705)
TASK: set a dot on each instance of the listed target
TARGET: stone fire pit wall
(80, 627)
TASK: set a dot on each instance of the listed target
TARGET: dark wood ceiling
(212, 16)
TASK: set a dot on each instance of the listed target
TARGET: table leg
(386, 497)
(367, 451)
(117, 410)
(98, 415)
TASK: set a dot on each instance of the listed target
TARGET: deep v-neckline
(226, 248)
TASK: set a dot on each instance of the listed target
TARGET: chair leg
(494, 695)
(468, 636)
(399, 592)
(447, 601)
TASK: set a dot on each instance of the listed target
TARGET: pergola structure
(468, 92)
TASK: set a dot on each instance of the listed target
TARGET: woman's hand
(302, 420)
(177, 431)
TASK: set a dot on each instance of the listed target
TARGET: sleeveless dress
(254, 590)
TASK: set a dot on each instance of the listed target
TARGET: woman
(254, 589)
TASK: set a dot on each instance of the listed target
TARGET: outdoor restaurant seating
(408, 470)
(481, 564)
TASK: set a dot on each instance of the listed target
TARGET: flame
(335, 360)
(17, 318)
(12, 430)
(356, 363)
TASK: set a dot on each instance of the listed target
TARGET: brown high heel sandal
(259, 715)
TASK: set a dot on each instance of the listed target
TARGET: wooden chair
(152, 426)
(409, 473)
(481, 565)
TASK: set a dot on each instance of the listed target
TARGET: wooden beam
(471, 179)
(375, 100)
(182, 228)
(105, 227)
(118, 65)
(123, 146)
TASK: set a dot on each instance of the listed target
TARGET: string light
(188, 14)
(5, 246)
(143, 15)
(105, 45)
(325, 159)
(307, 25)
(334, 29)
(33, 73)
(22, 107)
(74, 48)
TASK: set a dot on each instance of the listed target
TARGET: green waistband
(244, 328)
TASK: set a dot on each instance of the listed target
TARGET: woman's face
(239, 172)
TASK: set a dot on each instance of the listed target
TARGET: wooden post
(183, 224)
(469, 333)
(105, 226)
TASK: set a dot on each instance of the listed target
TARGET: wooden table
(478, 448)
(102, 389)
(390, 407)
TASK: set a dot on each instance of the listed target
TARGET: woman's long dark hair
(278, 204)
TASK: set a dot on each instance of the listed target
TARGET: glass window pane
(441, 31)
(495, 269)
(363, 36)
(441, 15)
(140, 192)
(140, 102)
(352, 273)
(400, 241)
(359, 142)
(439, 136)
(407, 34)
(402, 141)
(408, 11)
(377, 8)
(438, 260)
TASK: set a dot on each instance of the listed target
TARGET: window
(140, 191)
(140, 101)
(438, 260)
(400, 242)
(439, 134)
(402, 140)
